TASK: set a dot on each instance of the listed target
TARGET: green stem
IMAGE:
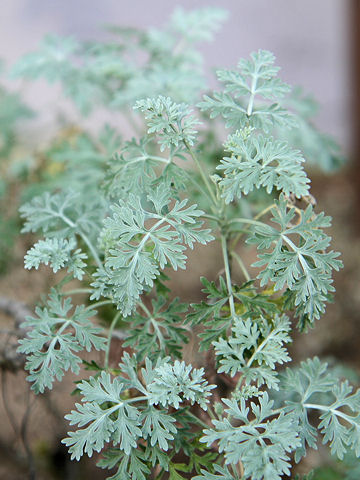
(334, 411)
(242, 266)
(99, 304)
(247, 221)
(197, 420)
(199, 187)
(111, 329)
(265, 211)
(84, 237)
(155, 325)
(210, 217)
(77, 291)
(211, 413)
(201, 171)
(227, 274)
(259, 215)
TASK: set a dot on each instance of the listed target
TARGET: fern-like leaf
(239, 104)
(172, 122)
(261, 162)
(175, 383)
(297, 258)
(312, 387)
(58, 253)
(54, 339)
(137, 249)
(262, 444)
(254, 349)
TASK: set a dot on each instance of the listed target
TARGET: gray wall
(308, 37)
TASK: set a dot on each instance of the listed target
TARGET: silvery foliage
(133, 221)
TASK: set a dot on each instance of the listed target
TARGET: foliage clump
(131, 220)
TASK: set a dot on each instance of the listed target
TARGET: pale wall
(309, 38)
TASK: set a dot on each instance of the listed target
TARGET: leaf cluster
(55, 337)
(119, 213)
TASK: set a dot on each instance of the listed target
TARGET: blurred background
(311, 40)
(316, 45)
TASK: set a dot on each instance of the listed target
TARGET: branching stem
(83, 236)
(201, 171)
(334, 411)
(227, 274)
(241, 265)
(248, 222)
(155, 325)
(108, 345)
(99, 304)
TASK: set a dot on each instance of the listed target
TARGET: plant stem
(192, 179)
(248, 221)
(99, 304)
(155, 325)
(241, 265)
(198, 420)
(77, 291)
(251, 221)
(201, 171)
(111, 329)
(264, 212)
(227, 274)
(338, 413)
(210, 217)
(83, 236)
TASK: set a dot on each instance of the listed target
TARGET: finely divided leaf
(239, 104)
(143, 241)
(58, 253)
(172, 122)
(312, 387)
(254, 349)
(158, 332)
(176, 383)
(261, 443)
(106, 416)
(261, 162)
(297, 258)
(54, 338)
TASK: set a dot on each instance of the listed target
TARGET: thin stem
(336, 412)
(259, 215)
(264, 212)
(199, 187)
(210, 217)
(92, 250)
(111, 329)
(248, 221)
(241, 265)
(211, 413)
(198, 420)
(155, 325)
(83, 236)
(259, 348)
(77, 291)
(227, 274)
(201, 171)
(98, 304)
